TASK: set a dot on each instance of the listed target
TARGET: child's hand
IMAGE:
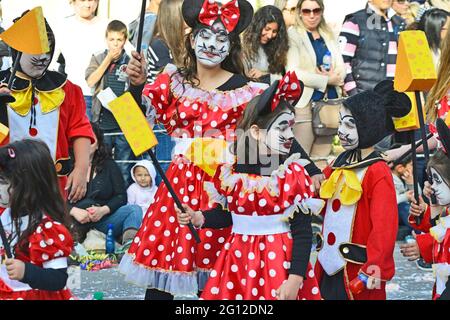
(114, 54)
(82, 216)
(4, 89)
(417, 209)
(410, 250)
(96, 213)
(196, 217)
(408, 176)
(137, 69)
(15, 269)
(317, 181)
(289, 289)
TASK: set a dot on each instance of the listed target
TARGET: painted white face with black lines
(441, 188)
(212, 45)
(279, 137)
(347, 131)
(4, 193)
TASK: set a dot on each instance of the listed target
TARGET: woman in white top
(310, 39)
(265, 45)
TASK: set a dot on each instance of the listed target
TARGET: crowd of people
(247, 82)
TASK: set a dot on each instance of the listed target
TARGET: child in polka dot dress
(164, 257)
(267, 254)
(33, 225)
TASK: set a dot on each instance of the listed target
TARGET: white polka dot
(213, 124)
(206, 261)
(251, 256)
(163, 209)
(163, 86)
(239, 297)
(180, 166)
(44, 257)
(234, 268)
(286, 265)
(276, 209)
(208, 234)
(38, 229)
(262, 264)
(146, 252)
(244, 282)
(244, 238)
(182, 115)
(136, 240)
(230, 285)
(221, 240)
(191, 188)
(194, 202)
(180, 249)
(241, 209)
(61, 237)
(171, 219)
(50, 242)
(186, 199)
(154, 262)
(262, 202)
(270, 238)
(261, 282)
(152, 238)
(188, 236)
(315, 290)
(214, 290)
(254, 291)
(188, 174)
(286, 187)
(175, 180)
(272, 255)
(311, 273)
(185, 262)
(284, 248)
(251, 197)
(286, 204)
(272, 273)
(225, 116)
(42, 244)
(168, 258)
(182, 191)
(48, 225)
(199, 177)
(262, 246)
(160, 247)
(157, 223)
(273, 293)
(252, 273)
(237, 253)
(297, 168)
(167, 233)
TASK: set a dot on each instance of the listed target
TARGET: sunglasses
(290, 10)
(315, 11)
(403, 1)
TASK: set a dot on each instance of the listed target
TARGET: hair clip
(11, 153)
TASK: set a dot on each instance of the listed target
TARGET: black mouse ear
(444, 135)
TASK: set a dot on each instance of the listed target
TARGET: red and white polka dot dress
(49, 247)
(253, 265)
(164, 254)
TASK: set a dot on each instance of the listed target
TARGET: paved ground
(409, 283)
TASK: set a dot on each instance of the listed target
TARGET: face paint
(212, 46)
(347, 132)
(441, 188)
(4, 194)
(279, 136)
(34, 65)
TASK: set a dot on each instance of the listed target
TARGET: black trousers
(333, 287)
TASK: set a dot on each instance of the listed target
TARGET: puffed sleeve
(50, 245)
(160, 99)
(215, 189)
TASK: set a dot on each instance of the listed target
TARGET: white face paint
(212, 46)
(34, 65)
(441, 188)
(279, 136)
(347, 131)
(4, 194)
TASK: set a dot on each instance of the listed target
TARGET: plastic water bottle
(326, 61)
(109, 246)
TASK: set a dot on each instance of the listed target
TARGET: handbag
(325, 116)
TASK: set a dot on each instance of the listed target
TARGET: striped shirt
(158, 56)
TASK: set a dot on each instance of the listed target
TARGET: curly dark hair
(103, 152)
(232, 63)
(34, 188)
(276, 50)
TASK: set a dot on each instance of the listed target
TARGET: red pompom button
(336, 205)
(33, 132)
(331, 239)
(35, 101)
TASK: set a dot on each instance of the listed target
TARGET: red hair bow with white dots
(289, 89)
(229, 14)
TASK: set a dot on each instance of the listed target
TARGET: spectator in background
(5, 56)
(288, 9)
(166, 47)
(441, 4)
(310, 39)
(149, 24)
(142, 191)
(106, 197)
(369, 40)
(107, 69)
(406, 9)
(265, 45)
(78, 36)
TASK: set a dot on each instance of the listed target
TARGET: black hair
(34, 188)
(232, 63)
(103, 152)
(276, 50)
(440, 162)
(431, 23)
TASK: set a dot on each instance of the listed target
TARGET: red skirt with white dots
(164, 254)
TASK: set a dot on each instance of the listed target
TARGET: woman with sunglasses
(310, 40)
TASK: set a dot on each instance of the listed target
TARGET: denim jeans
(88, 101)
(122, 152)
(163, 150)
(124, 218)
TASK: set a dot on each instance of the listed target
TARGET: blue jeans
(88, 101)
(122, 152)
(163, 150)
(124, 218)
